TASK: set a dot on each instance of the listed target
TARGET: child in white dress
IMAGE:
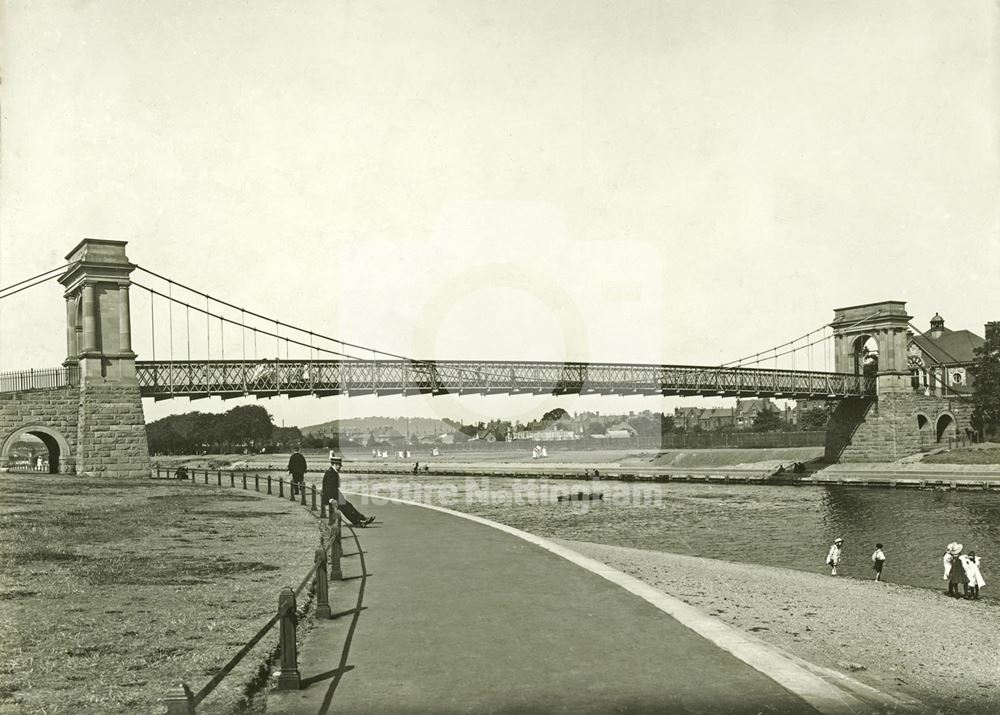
(972, 574)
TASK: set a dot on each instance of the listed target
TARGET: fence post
(281, 486)
(256, 482)
(322, 585)
(206, 476)
(269, 484)
(289, 677)
(180, 701)
(244, 481)
(337, 547)
(218, 477)
(232, 479)
(313, 488)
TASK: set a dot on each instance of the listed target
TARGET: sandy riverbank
(944, 652)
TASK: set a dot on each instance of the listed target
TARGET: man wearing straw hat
(331, 492)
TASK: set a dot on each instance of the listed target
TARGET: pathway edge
(796, 675)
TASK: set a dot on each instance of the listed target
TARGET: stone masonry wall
(112, 431)
(889, 428)
(55, 408)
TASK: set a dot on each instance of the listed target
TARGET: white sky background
(681, 182)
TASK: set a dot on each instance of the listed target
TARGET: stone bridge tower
(110, 430)
(900, 420)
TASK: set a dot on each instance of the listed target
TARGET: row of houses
(741, 416)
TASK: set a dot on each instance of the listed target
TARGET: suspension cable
(31, 285)
(152, 323)
(287, 325)
(806, 336)
(33, 278)
(253, 328)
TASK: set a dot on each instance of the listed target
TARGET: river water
(789, 527)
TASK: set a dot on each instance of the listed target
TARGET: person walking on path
(833, 558)
(972, 574)
(297, 468)
(878, 561)
(331, 492)
(954, 574)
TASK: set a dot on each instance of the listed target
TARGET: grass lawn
(112, 592)
(985, 453)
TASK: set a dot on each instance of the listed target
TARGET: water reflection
(790, 527)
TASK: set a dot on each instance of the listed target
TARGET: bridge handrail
(303, 376)
(185, 700)
(21, 380)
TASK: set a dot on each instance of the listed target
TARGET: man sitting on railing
(331, 492)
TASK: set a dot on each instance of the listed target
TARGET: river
(790, 527)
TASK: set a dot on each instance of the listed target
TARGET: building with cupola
(940, 359)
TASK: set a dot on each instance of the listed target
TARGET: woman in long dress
(954, 573)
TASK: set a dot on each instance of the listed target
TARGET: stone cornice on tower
(96, 260)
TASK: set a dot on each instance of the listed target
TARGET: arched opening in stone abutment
(36, 449)
(924, 429)
(945, 426)
(865, 354)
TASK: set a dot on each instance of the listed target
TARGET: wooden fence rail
(182, 700)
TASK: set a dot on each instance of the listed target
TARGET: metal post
(180, 701)
(256, 482)
(337, 548)
(288, 679)
(218, 477)
(206, 476)
(322, 585)
(313, 506)
(269, 484)
(281, 486)
(232, 479)
(157, 471)
(244, 481)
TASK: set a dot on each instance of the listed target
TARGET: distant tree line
(248, 428)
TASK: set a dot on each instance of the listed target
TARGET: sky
(657, 182)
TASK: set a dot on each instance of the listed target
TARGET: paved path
(462, 618)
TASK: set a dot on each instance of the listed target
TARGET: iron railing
(263, 378)
(183, 700)
(39, 379)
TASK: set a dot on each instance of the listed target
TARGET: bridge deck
(269, 378)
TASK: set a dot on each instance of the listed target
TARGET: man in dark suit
(297, 468)
(331, 492)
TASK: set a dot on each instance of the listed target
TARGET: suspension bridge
(200, 345)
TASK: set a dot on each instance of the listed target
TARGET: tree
(646, 426)
(869, 358)
(986, 399)
(555, 415)
(814, 418)
(768, 421)
(248, 425)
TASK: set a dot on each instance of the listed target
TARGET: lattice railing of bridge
(265, 378)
